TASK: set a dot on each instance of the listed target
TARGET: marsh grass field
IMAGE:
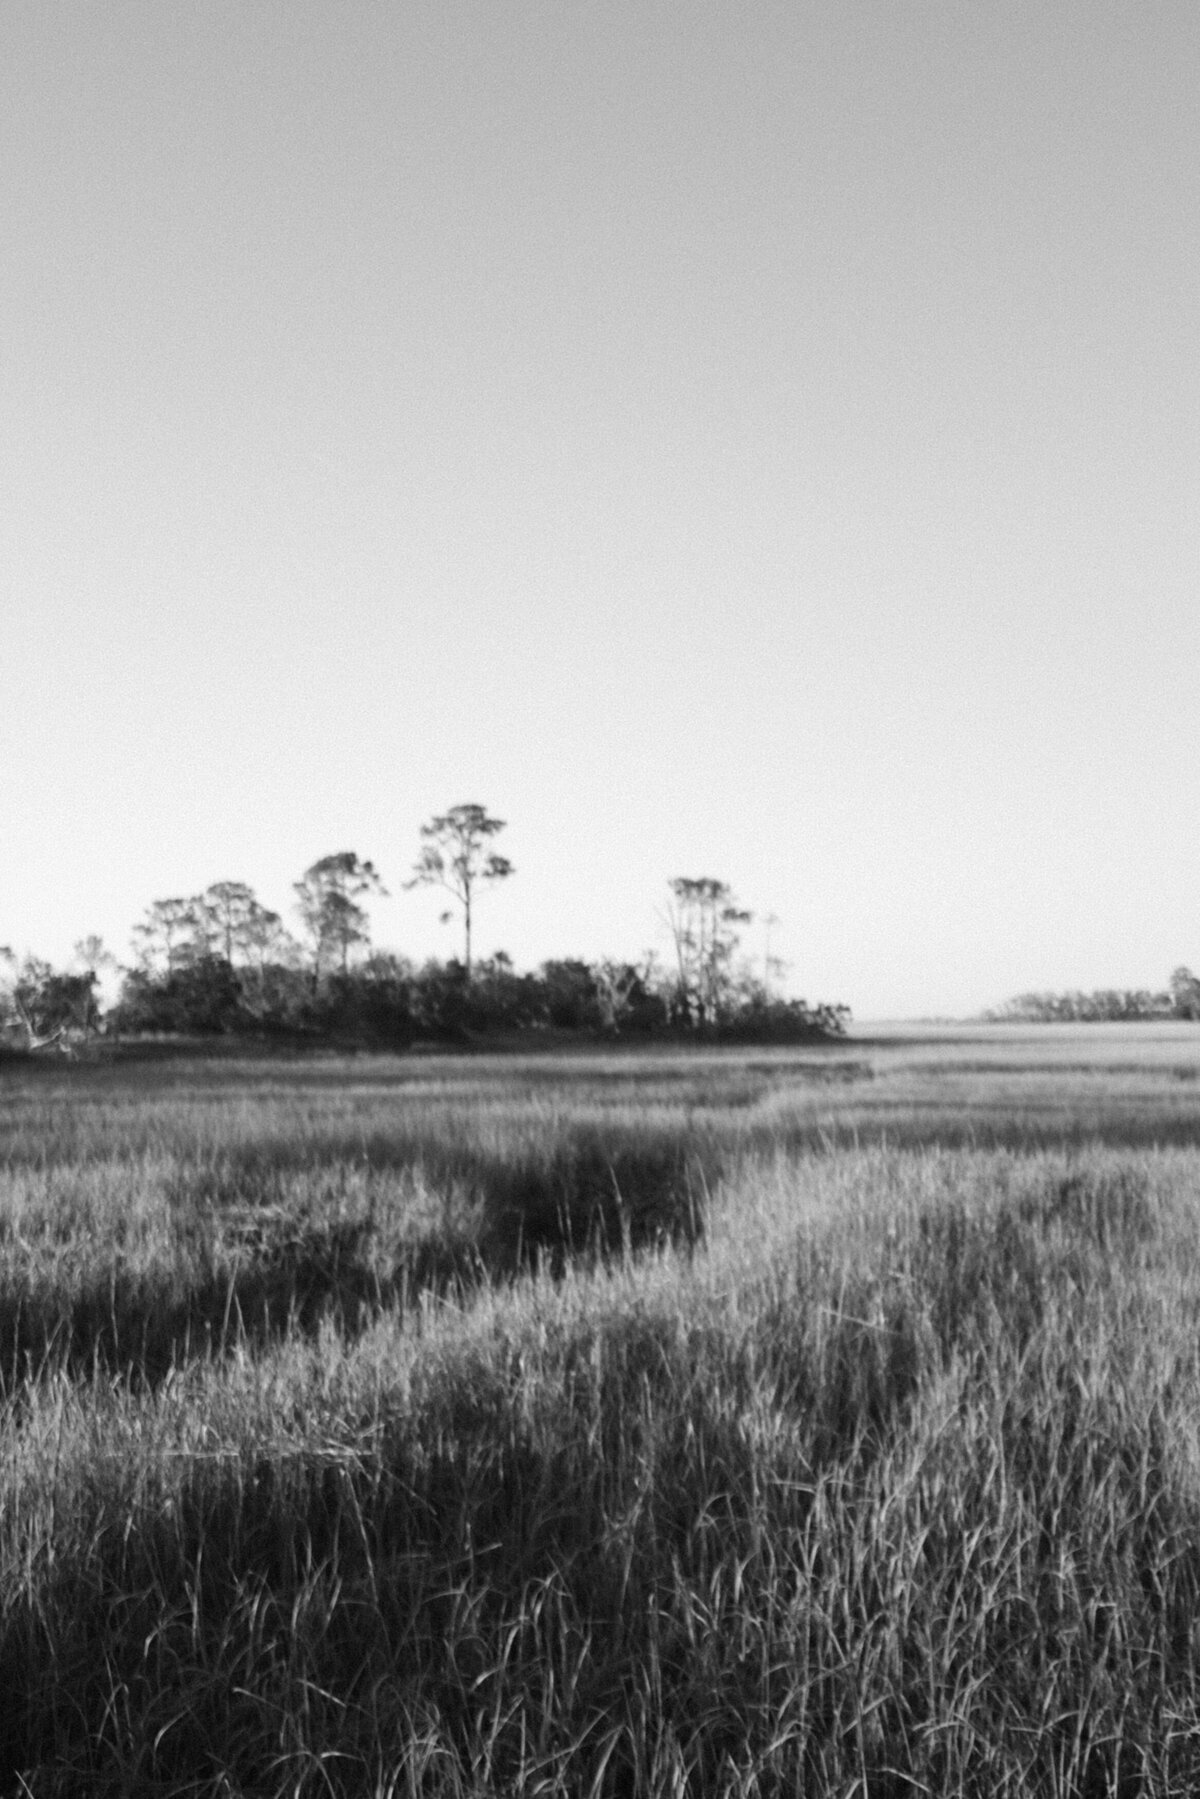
(803, 1422)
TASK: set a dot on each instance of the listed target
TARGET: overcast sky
(755, 440)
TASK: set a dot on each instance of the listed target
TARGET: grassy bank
(603, 1429)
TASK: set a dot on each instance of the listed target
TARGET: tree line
(222, 963)
(1180, 999)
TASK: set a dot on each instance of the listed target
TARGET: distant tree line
(220, 963)
(1181, 999)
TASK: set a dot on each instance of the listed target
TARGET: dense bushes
(387, 1001)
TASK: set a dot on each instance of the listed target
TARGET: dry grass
(746, 1424)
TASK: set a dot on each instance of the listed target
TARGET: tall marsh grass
(563, 1448)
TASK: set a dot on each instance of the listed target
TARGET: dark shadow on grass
(261, 1274)
(596, 1198)
(973, 1127)
(139, 1329)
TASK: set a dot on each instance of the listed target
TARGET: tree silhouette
(327, 899)
(703, 916)
(455, 856)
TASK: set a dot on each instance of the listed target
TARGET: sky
(758, 441)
